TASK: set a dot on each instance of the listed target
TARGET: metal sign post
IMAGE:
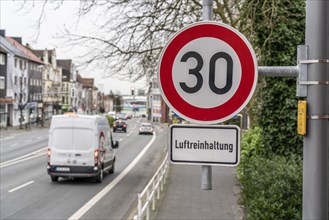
(206, 173)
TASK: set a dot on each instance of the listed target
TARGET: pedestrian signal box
(301, 119)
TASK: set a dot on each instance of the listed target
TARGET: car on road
(146, 128)
(120, 125)
(80, 146)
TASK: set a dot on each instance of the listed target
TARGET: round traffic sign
(207, 72)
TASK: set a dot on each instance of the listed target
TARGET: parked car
(120, 125)
(80, 146)
(146, 128)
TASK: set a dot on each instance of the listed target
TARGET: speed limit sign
(207, 72)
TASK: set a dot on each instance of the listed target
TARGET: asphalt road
(28, 193)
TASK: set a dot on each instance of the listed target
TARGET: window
(15, 82)
(155, 85)
(2, 82)
(2, 59)
(15, 62)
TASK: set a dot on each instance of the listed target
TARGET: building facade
(23, 82)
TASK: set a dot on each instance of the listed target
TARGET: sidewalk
(184, 198)
(9, 131)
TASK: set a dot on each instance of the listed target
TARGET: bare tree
(131, 33)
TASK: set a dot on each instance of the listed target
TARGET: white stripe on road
(24, 157)
(6, 138)
(21, 186)
(12, 145)
(110, 186)
(27, 141)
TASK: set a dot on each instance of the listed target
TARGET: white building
(52, 82)
(155, 100)
(24, 81)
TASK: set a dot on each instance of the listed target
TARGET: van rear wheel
(100, 176)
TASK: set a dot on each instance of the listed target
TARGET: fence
(153, 188)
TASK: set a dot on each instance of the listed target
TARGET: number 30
(212, 64)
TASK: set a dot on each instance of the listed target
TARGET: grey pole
(316, 141)
(206, 173)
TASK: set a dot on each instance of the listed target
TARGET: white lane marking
(21, 186)
(120, 139)
(27, 141)
(6, 138)
(24, 157)
(12, 145)
(39, 137)
(111, 185)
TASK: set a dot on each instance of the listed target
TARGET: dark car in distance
(120, 125)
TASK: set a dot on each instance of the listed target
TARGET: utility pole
(312, 75)
(316, 141)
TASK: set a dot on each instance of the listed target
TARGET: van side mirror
(116, 144)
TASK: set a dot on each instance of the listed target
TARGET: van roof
(73, 114)
(94, 119)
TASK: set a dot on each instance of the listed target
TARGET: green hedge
(272, 187)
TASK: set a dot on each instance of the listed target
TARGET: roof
(23, 51)
(39, 53)
(88, 82)
(65, 64)
(79, 79)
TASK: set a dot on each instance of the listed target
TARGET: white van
(80, 146)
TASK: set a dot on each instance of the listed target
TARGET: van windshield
(69, 139)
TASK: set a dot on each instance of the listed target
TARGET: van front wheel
(112, 168)
(100, 176)
(54, 178)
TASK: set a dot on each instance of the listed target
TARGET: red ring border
(241, 96)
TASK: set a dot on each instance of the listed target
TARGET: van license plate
(63, 169)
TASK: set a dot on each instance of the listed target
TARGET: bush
(250, 147)
(272, 187)
(110, 119)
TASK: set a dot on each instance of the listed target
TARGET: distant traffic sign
(207, 72)
(204, 144)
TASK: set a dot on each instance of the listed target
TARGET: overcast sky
(21, 23)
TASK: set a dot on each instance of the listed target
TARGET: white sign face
(205, 145)
(181, 73)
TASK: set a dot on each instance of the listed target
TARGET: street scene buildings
(36, 84)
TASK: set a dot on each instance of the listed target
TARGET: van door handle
(78, 155)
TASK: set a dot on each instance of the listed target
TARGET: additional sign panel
(205, 145)
(207, 72)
